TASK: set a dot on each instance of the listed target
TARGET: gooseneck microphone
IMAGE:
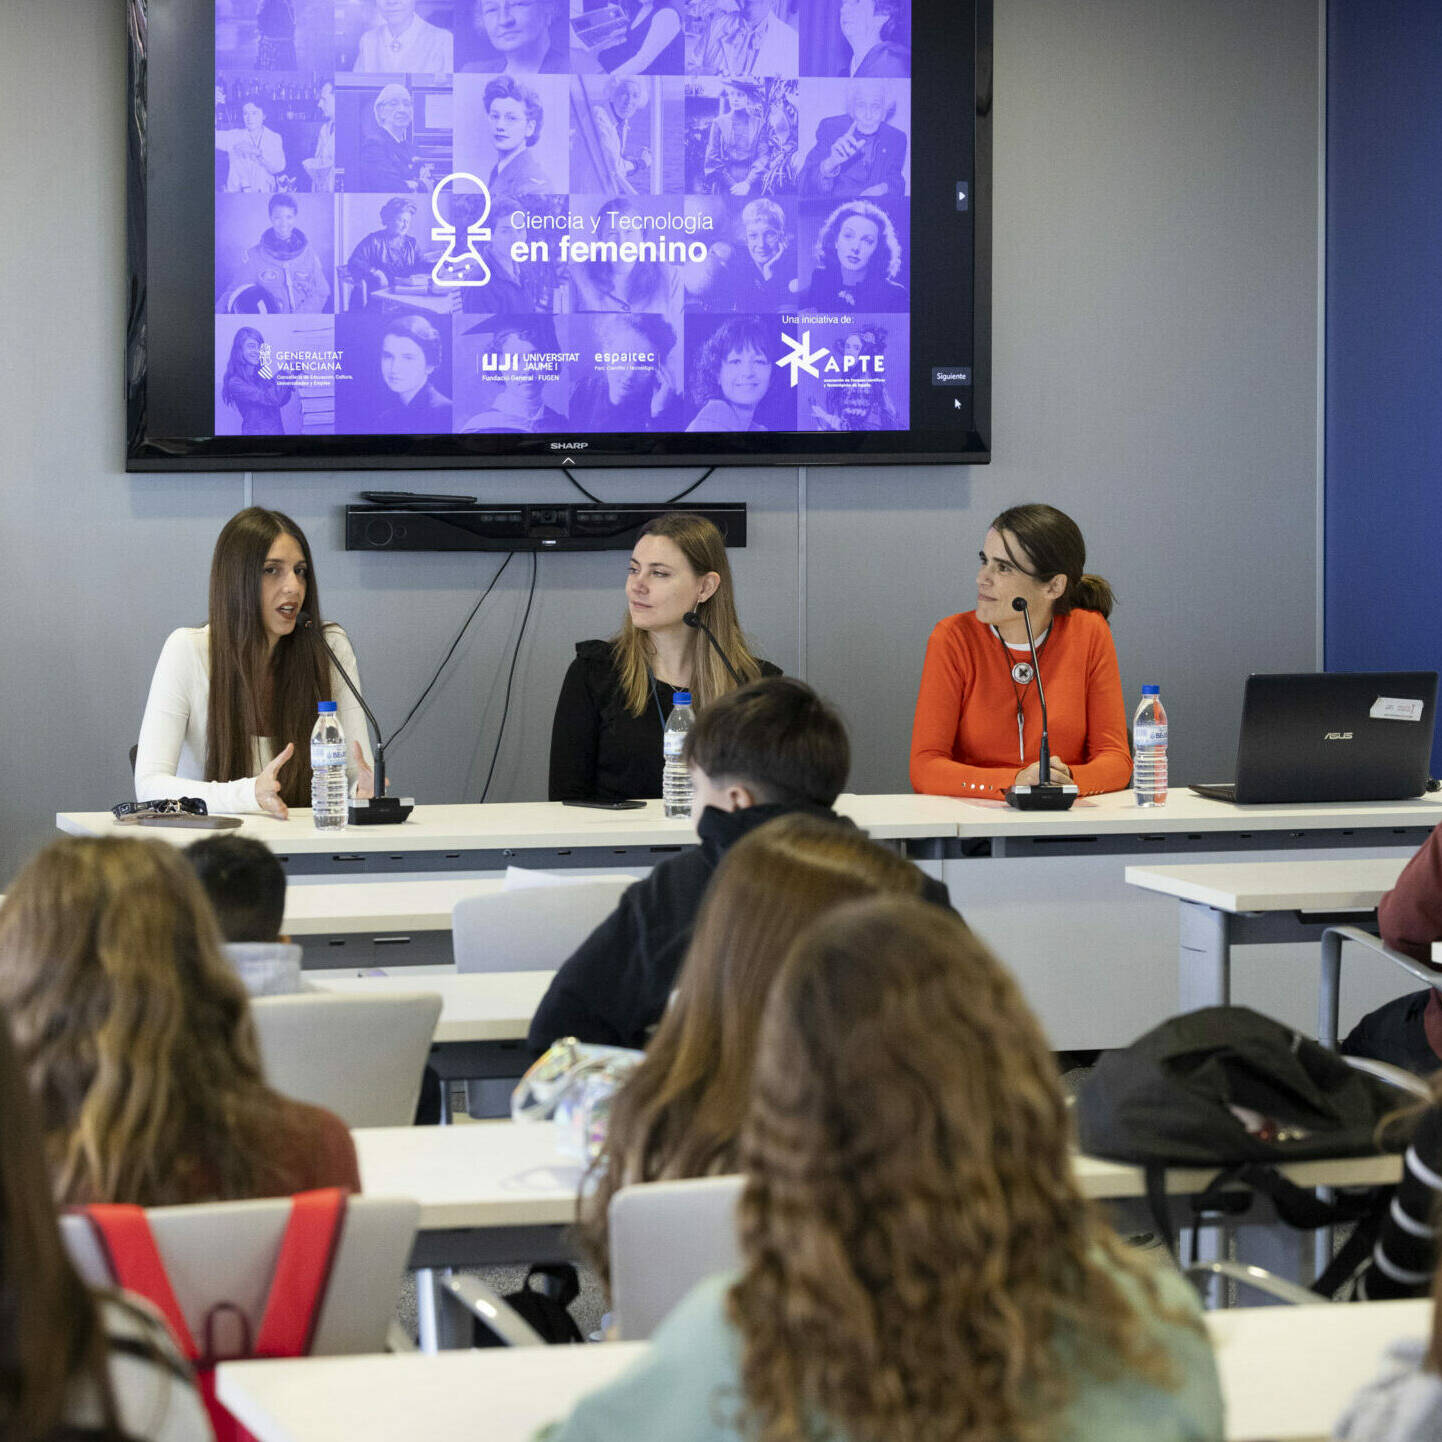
(380, 809)
(1045, 795)
(694, 621)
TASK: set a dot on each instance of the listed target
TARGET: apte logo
(801, 357)
(265, 370)
(462, 263)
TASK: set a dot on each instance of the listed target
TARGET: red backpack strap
(302, 1273)
(129, 1245)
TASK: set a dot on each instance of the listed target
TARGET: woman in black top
(617, 695)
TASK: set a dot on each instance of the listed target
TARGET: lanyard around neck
(1021, 674)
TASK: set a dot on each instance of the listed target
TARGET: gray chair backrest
(665, 1237)
(226, 1251)
(533, 928)
(361, 1057)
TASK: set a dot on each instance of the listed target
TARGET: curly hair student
(917, 1261)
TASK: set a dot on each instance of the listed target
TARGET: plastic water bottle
(327, 770)
(675, 777)
(1149, 743)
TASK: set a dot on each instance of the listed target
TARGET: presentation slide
(561, 217)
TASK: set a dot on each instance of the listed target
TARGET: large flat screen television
(506, 232)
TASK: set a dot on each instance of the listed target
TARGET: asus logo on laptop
(1337, 736)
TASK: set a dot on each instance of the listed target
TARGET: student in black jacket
(770, 748)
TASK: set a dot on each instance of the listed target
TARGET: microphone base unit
(1051, 797)
(381, 810)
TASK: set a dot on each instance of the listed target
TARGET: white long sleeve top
(170, 759)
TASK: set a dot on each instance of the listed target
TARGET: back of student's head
(51, 1342)
(245, 883)
(778, 738)
(681, 1112)
(134, 1031)
(911, 1234)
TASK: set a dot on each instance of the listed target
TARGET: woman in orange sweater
(977, 729)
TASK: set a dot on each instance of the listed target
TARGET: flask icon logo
(462, 263)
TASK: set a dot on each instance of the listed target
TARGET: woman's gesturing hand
(267, 786)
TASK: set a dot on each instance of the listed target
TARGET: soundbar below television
(453, 233)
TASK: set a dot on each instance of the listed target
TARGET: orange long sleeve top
(964, 739)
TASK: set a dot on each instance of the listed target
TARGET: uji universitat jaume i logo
(801, 357)
(265, 370)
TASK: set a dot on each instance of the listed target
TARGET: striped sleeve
(1405, 1255)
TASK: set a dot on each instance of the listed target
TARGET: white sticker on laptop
(1396, 708)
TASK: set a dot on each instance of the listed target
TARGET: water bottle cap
(325, 707)
(681, 698)
(1151, 690)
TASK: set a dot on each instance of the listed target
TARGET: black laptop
(1333, 736)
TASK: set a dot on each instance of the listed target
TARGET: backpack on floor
(1226, 1087)
(292, 1306)
(546, 1306)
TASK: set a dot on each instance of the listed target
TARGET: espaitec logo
(801, 357)
(461, 264)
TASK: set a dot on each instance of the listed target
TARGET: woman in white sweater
(232, 703)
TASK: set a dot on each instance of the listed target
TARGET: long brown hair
(51, 1339)
(244, 671)
(1054, 547)
(700, 543)
(135, 1032)
(913, 1241)
(681, 1112)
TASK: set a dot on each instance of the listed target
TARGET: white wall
(1155, 363)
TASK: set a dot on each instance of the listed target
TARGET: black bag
(546, 1308)
(1166, 1101)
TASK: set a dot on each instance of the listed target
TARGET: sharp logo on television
(569, 445)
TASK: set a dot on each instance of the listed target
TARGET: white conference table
(321, 908)
(493, 1192)
(1286, 1374)
(899, 816)
(470, 837)
(480, 1006)
(1239, 903)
